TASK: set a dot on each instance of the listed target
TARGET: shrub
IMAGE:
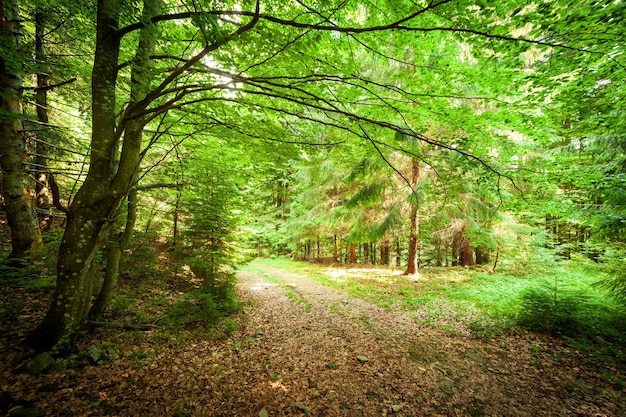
(548, 310)
(207, 305)
(614, 280)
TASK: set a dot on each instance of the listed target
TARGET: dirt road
(308, 348)
(301, 348)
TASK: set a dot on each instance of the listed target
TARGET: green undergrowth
(172, 299)
(563, 300)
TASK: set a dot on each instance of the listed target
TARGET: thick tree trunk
(467, 253)
(93, 204)
(352, 253)
(411, 267)
(108, 180)
(25, 234)
(59, 328)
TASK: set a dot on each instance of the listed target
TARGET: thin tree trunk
(398, 252)
(118, 242)
(318, 248)
(411, 267)
(41, 101)
(176, 219)
(25, 233)
(366, 253)
(352, 253)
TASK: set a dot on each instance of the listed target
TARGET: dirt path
(336, 355)
(304, 349)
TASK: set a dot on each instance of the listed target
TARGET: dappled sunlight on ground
(375, 274)
(261, 286)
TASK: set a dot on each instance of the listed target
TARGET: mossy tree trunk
(114, 160)
(25, 233)
(107, 183)
(117, 243)
(93, 204)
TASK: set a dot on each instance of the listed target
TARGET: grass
(486, 303)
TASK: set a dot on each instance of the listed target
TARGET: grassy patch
(563, 299)
(297, 298)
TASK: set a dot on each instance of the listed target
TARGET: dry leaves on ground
(331, 356)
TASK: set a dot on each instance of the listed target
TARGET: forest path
(308, 346)
(300, 348)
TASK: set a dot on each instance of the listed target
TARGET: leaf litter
(287, 359)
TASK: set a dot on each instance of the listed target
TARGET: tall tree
(110, 176)
(25, 233)
(251, 73)
(411, 267)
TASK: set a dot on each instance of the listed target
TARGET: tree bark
(25, 234)
(41, 101)
(384, 251)
(94, 203)
(118, 242)
(467, 253)
(109, 178)
(482, 255)
(366, 253)
(411, 267)
(352, 253)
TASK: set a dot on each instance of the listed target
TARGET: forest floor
(300, 348)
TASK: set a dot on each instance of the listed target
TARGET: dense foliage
(438, 133)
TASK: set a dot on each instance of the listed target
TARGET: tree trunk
(398, 252)
(118, 242)
(41, 101)
(366, 253)
(94, 202)
(132, 140)
(466, 253)
(384, 252)
(176, 220)
(58, 330)
(25, 233)
(352, 253)
(319, 255)
(108, 180)
(411, 267)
